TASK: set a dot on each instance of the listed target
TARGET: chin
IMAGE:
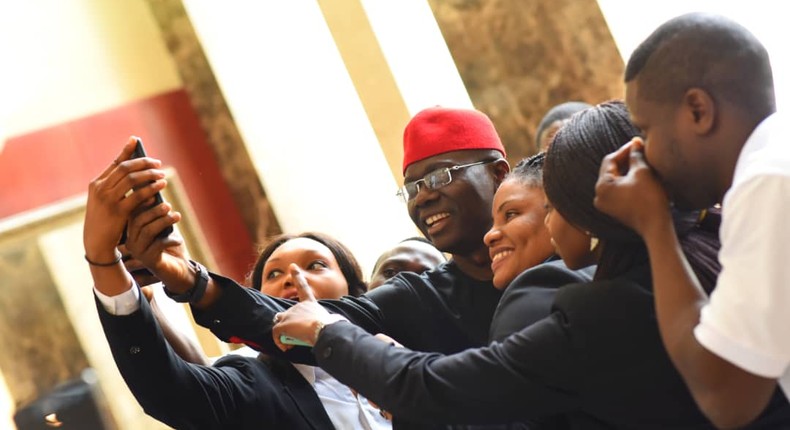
(501, 279)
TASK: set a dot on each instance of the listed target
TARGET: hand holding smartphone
(139, 152)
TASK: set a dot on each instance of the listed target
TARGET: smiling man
(453, 163)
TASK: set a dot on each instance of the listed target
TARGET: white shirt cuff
(125, 303)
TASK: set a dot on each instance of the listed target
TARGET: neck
(476, 265)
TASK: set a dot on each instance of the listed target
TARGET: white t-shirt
(747, 321)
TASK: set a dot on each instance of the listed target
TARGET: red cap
(437, 130)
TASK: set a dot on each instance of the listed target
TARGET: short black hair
(557, 113)
(707, 51)
(408, 239)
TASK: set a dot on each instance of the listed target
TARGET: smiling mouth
(501, 254)
(433, 219)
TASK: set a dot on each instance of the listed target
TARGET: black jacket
(598, 359)
(236, 392)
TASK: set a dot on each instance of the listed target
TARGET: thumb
(636, 159)
(302, 287)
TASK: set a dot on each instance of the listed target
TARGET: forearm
(245, 315)
(475, 386)
(110, 280)
(678, 295)
(169, 389)
(678, 300)
(715, 384)
(183, 346)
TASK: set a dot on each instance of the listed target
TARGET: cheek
(273, 289)
(329, 287)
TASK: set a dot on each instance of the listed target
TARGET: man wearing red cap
(453, 163)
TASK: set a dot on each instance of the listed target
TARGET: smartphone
(139, 152)
(288, 340)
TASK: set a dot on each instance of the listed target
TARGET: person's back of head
(553, 119)
(413, 254)
(707, 51)
(571, 172)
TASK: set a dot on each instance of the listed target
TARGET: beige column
(302, 121)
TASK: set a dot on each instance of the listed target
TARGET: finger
(636, 159)
(615, 163)
(133, 174)
(143, 230)
(276, 332)
(302, 287)
(137, 198)
(125, 153)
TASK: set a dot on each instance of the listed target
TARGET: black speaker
(75, 404)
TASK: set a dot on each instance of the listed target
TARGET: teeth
(500, 254)
(433, 218)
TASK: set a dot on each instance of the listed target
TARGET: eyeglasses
(434, 180)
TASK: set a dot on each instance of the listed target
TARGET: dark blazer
(236, 392)
(530, 296)
(442, 310)
(598, 359)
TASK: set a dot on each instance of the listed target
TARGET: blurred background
(270, 116)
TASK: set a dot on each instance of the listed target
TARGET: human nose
(424, 194)
(289, 279)
(492, 236)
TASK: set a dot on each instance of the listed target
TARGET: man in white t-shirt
(701, 89)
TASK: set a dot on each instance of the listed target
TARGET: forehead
(639, 108)
(514, 190)
(421, 168)
(301, 246)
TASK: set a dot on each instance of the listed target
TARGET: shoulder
(529, 298)
(627, 297)
(552, 274)
(442, 279)
(765, 152)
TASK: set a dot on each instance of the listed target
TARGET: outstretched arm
(729, 395)
(484, 385)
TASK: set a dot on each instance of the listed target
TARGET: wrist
(322, 323)
(197, 280)
(104, 259)
(658, 227)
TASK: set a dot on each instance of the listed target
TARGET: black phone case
(139, 152)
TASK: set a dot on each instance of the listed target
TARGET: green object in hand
(288, 340)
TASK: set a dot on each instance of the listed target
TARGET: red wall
(58, 162)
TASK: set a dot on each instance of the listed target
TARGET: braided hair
(569, 176)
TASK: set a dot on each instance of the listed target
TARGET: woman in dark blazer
(237, 391)
(597, 359)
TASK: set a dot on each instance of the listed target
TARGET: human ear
(501, 169)
(701, 110)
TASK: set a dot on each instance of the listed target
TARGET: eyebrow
(499, 208)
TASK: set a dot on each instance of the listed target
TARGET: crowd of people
(628, 276)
